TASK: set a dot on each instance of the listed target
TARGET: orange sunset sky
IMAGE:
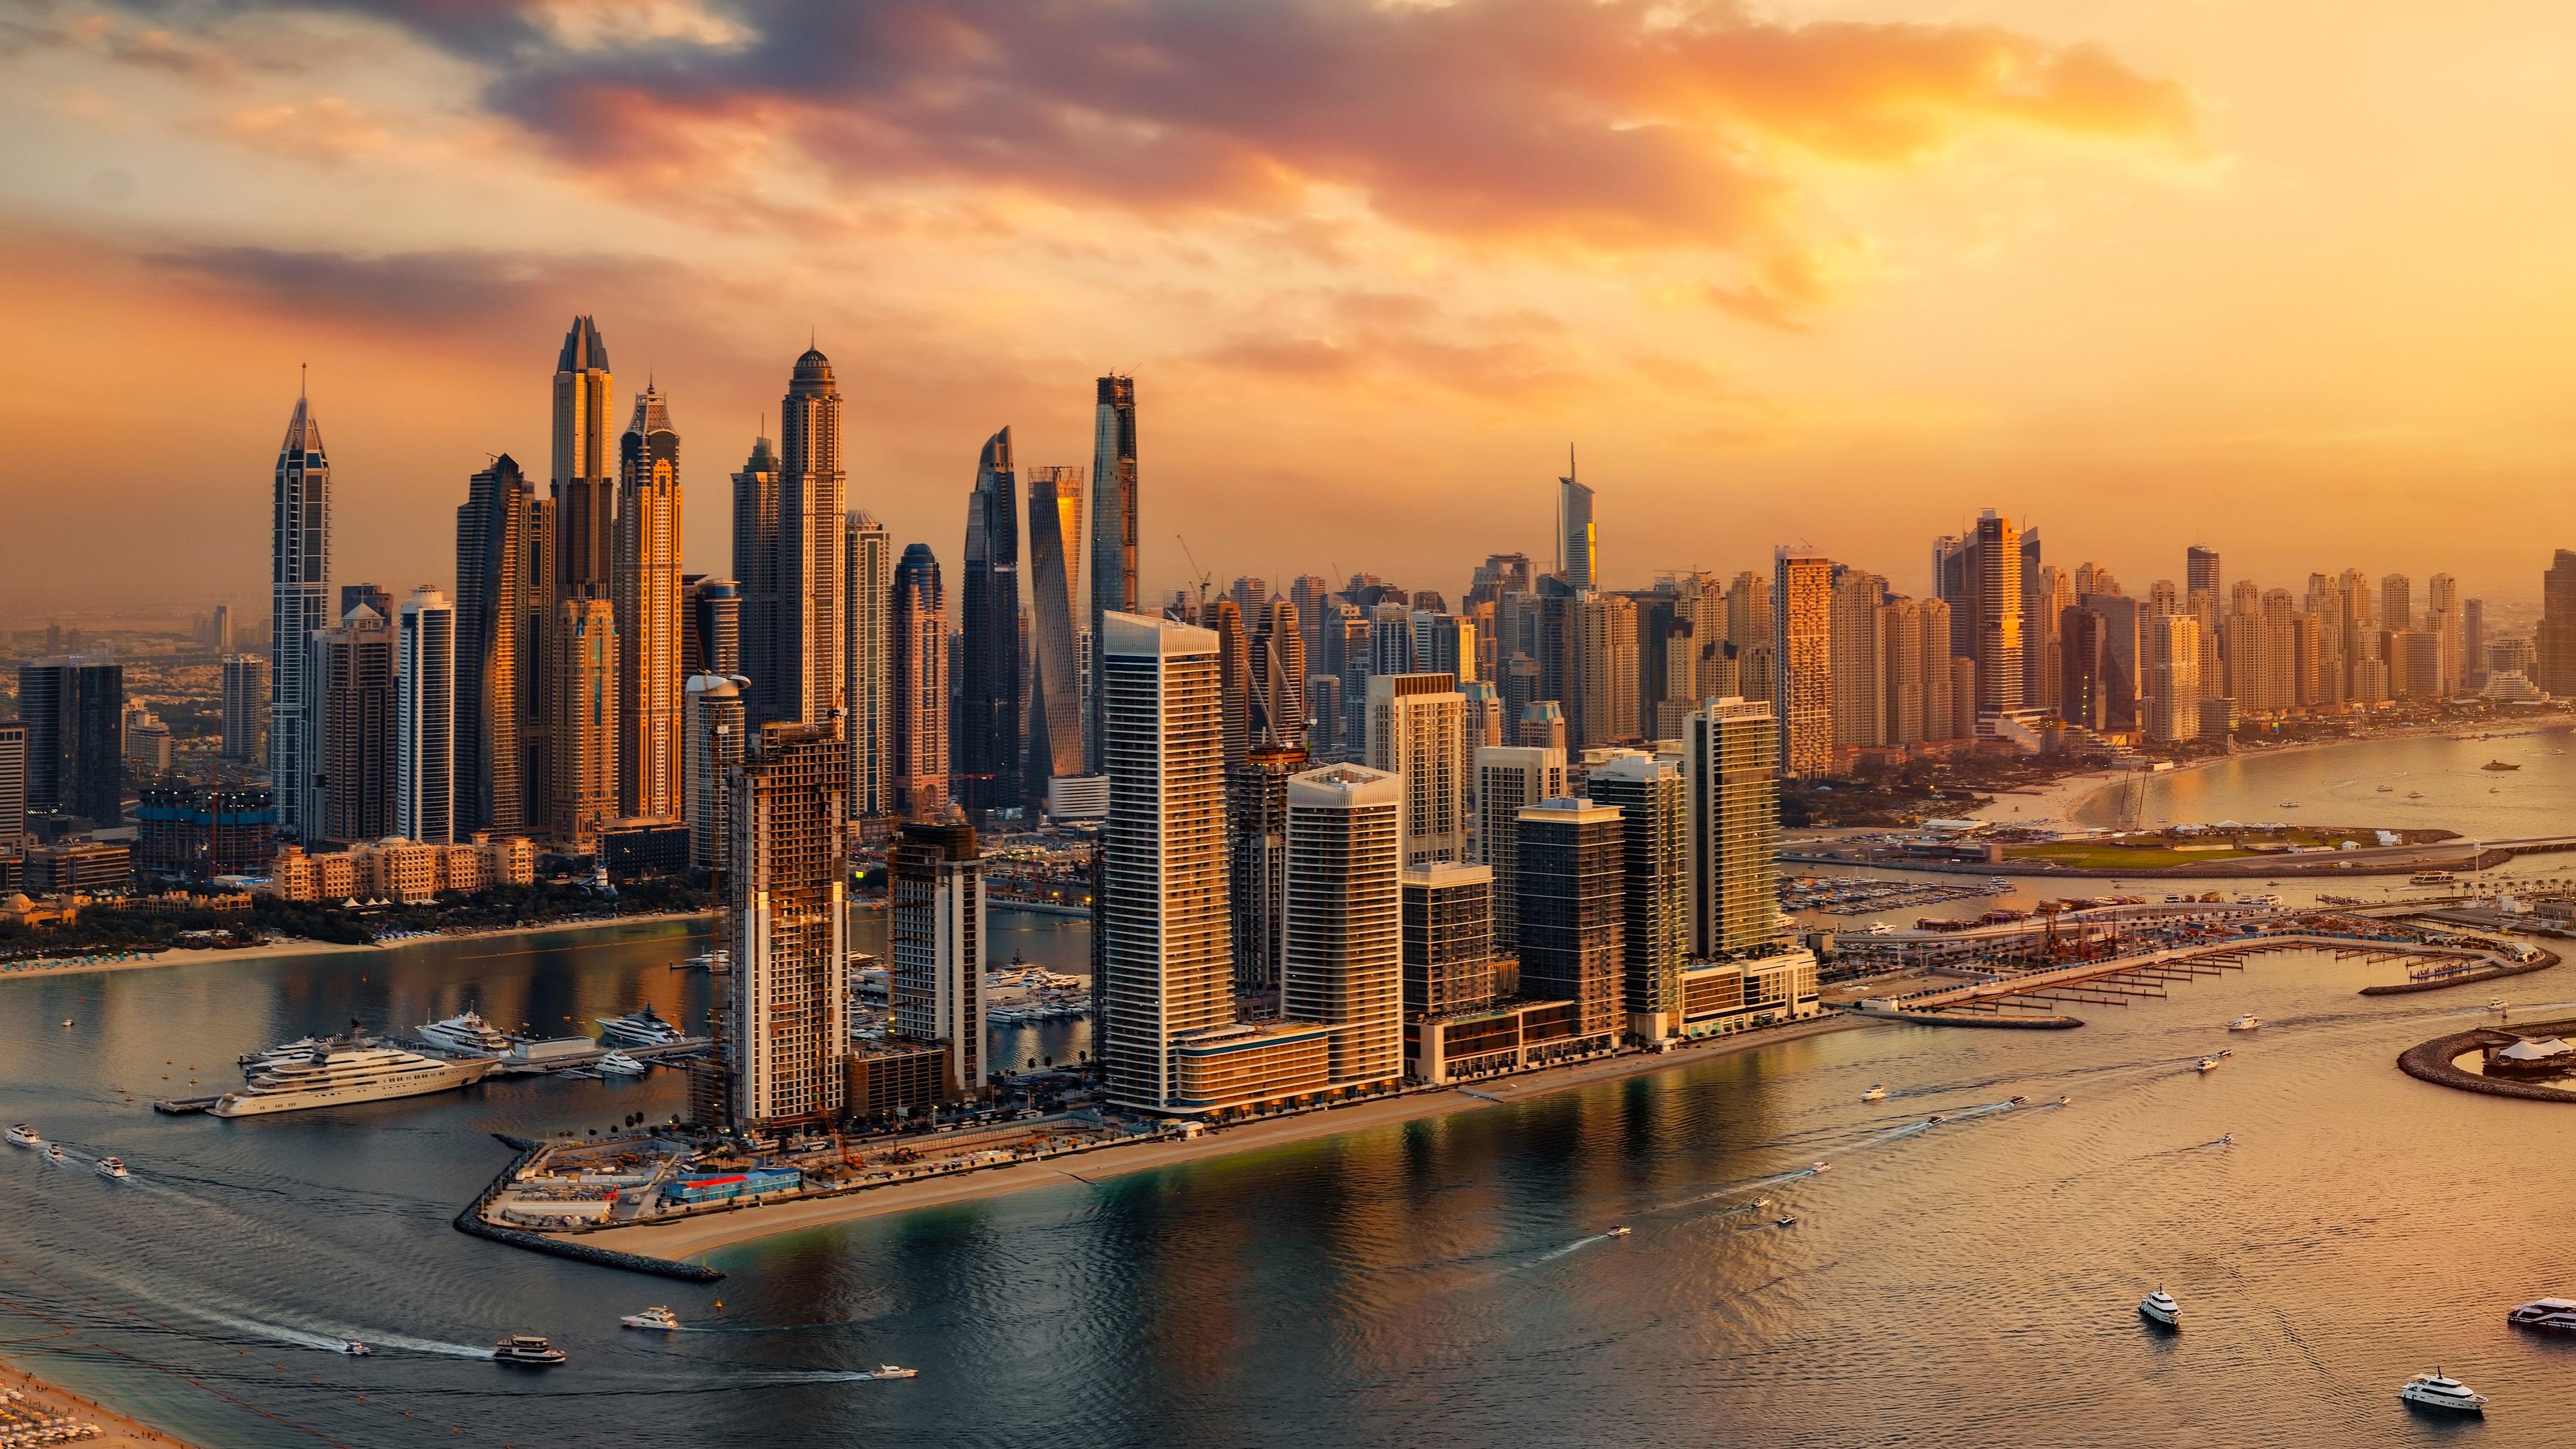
(2289, 278)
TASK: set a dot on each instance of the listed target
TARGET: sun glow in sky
(2288, 278)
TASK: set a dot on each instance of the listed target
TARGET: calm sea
(1450, 1282)
(2432, 782)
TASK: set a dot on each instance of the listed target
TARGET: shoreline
(692, 1238)
(276, 950)
(114, 1427)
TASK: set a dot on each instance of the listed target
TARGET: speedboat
(2208, 1064)
(2159, 1308)
(2248, 1022)
(23, 1135)
(53, 1152)
(2018, 1102)
(2225, 1139)
(112, 1167)
(2495, 1003)
(2547, 1315)
(619, 1064)
(355, 1349)
(894, 1371)
(529, 1350)
(1935, 1120)
(655, 1317)
(1821, 1166)
(2064, 1100)
(1621, 1231)
(2387, 789)
(1876, 1093)
(2438, 1390)
(1787, 1222)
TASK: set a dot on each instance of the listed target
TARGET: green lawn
(2093, 855)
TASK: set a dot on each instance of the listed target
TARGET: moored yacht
(2546, 1315)
(619, 1064)
(2438, 1390)
(656, 1317)
(23, 1135)
(2159, 1308)
(640, 1028)
(301, 1047)
(340, 1073)
(467, 1032)
(527, 1349)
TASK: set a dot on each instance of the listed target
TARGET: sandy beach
(272, 950)
(686, 1240)
(114, 1428)
(2056, 802)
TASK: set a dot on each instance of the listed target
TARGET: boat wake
(1578, 1244)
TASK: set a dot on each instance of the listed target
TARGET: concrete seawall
(2431, 1062)
(471, 1222)
(2466, 978)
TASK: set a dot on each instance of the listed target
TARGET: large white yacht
(23, 1135)
(2159, 1307)
(644, 1028)
(467, 1033)
(342, 1072)
(2438, 1390)
(2549, 1315)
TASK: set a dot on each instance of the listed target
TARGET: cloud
(328, 130)
(425, 291)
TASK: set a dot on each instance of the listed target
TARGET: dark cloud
(419, 290)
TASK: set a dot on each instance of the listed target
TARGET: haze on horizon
(2287, 279)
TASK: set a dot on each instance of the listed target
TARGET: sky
(2287, 278)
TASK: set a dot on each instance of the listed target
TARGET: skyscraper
(1257, 799)
(1234, 679)
(1279, 676)
(2200, 570)
(868, 569)
(583, 752)
(13, 785)
(935, 932)
(300, 603)
(584, 464)
(494, 669)
(1802, 594)
(1342, 944)
(1165, 950)
(812, 504)
(786, 879)
(74, 709)
(1448, 938)
(986, 773)
(425, 719)
(755, 572)
(2554, 641)
(2000, 666)
(1654, 920)
(1572, 903)
(716, 737)
(1510, 779)
(711, 634)
(1417, 733)
(1731, 794)
(350, 681)
(2173, 659)
(1857, 648)
(1113, 527)
(1055, 701)
(245, 708)
(1578, 547)
(1607, 669)
(917, 687)
(650, 624)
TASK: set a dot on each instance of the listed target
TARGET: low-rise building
(402, 870)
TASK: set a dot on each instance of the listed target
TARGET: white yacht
(656, 1317)
(2159, 1307)
(2207, 1064)
(892, 1371)
(1876, 1093)
(2547, 1315)
(343, 1072)
(467, 1033)
(641, 1028)
(23, 1135)
(355, 1349)
(527, 1349)
(301, 1047)
(112, 1167)
(53, 1152)
(2438, 1390)
(2248, 1022)
(619, 1064)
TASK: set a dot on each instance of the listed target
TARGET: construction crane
(1205, 579)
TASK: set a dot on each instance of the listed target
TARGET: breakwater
(471, 1222)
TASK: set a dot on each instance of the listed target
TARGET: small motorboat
(2545, 1315)
(656, 1317)
(23, 1135)
(2208, 1064)
(53, 1152)
(1876, 1093)
(2159, 1308)
(67, 1021)
(619, 1064)
(527, 1350)
(355, 1349)
(2387, 789)
(2064, 1100)
(1621, 1231)
(894, 1371)
(1787, 1222)
(2438, 1390)
(112, 1167)
(2225, 1054)
(1935, 1120)
(2248, 1022)
(1820, 1167)
(2495, 1003)
(2018, 1102)
(2225, 1139)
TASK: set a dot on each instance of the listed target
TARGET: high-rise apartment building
(1572, 908)
(1510, 779)
(1279, 676)
(868, 642)
(986, 771)
(425, 719)
(582, 755)
(755, 571)
(2554, 641)
(2000, 666)
(2396, 603)
(1342, 937)
(2200, 570)
(1417, 732)
(1448, 939)
(1857, 648)
(711, 626)
(1257, 886)
(350, 681)
(1234, 679)
(73, 707)
(1731, 802)
(1802, 594)
(812, 515)
(1055, 689)
(499, 629)
(645, 587)
(13, 785)
(1654, 916)
(246, 694)
(585, 465)
(299, 604)
(1113, 529)
(936, 932)
(786, 882)
(2083, 692)
(717, 734)
(2173, 663)
(1578, 559)
(1607, 669)
(917, 723)
(1165, 949)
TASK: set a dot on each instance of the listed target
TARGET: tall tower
(1113, 526)
(1802, 594)
(1578, 556)
(582, 669)
(716, 740)
(1510, 779)
(1279, 676)
(492, 667)
(1055, 707)
(1417, 732)
(300, 600)
(1342, 942)
(245, 710)
(868, 576)
(584, 464)
(755, 572)
(2200, 570)
(1164, 952)
(812, 504)
(1258, 839)
(917, 725)
(2000, 666)
(350, 683)
(649, 620)
(425, 713)
(1731, 794)
(786, 875)
(986, 775)
(935, 932)
(1572, 907)
(1654, 921)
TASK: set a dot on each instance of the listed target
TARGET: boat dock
(182, 1106)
